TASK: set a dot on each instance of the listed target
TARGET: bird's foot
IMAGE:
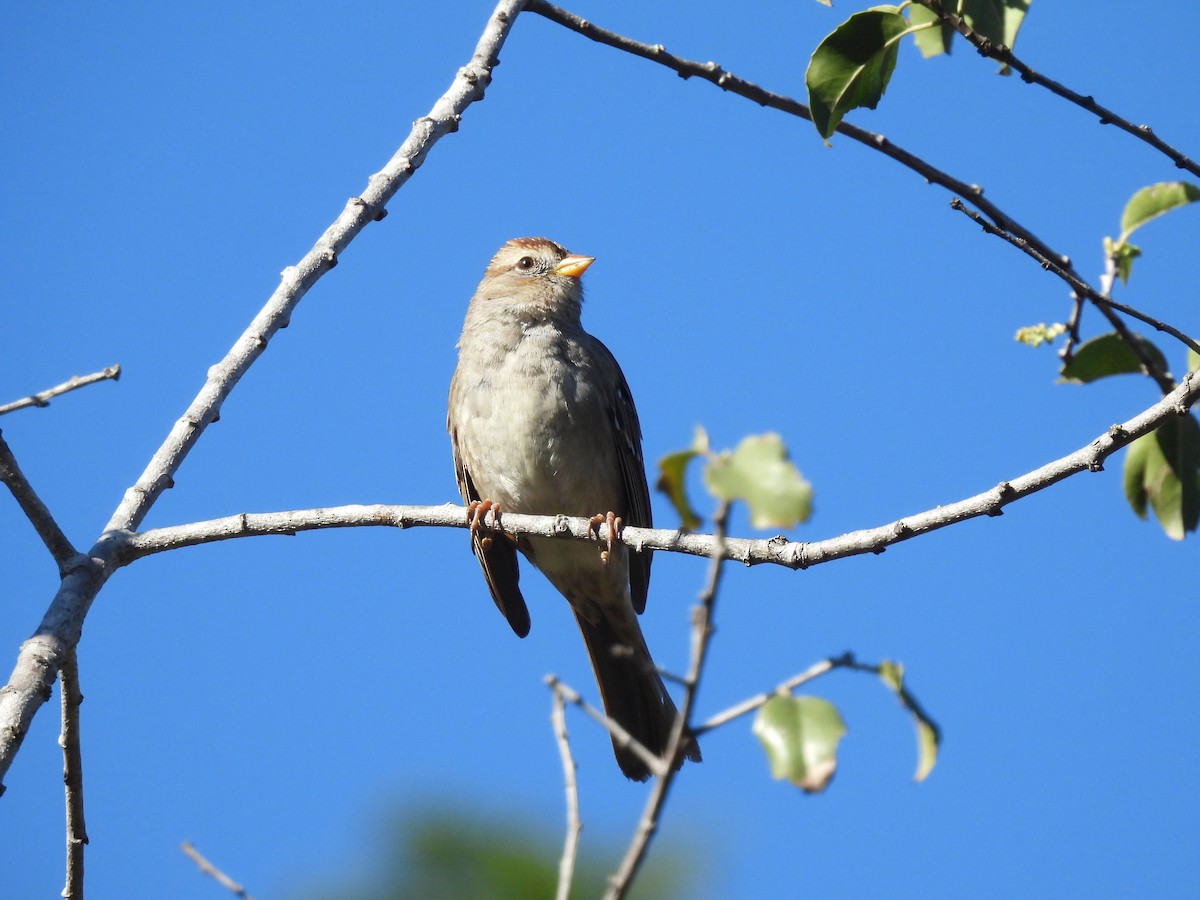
(613, 521)
(477, 511)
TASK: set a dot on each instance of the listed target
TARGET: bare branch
(209, 869)
(43, 398)
(1004, 55)
(35, 510)
(566, 863)
(40, 656)
(623, 738)
(72, 775)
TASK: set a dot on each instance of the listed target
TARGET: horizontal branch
(775, 550)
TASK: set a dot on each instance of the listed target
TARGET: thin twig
(72, 697)
(35, 510)
(1083, 289)
(702, 630)
(209, 869)
(750, 704)
(1004, 55)
(907, 700)
(570, 851)
(40, 656)
(43, 398)
(621, 738)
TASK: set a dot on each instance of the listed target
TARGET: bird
(542, 422)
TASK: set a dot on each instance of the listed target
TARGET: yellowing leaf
(672, 479)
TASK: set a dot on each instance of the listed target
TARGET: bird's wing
(627, 433)
(497, 556)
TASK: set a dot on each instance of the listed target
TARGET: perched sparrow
(542, 422)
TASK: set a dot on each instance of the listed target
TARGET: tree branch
(727, 81)
(702, 630)
(73, 383)
(72, 775)
(776, 550)
(1004, 55)
(566, 863)
(40, 656)
(35, 510)
(1083, 289)
(213, 872)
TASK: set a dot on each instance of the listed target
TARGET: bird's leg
(613, 521)
(477, 511)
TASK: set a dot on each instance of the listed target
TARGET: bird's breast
(534, 434)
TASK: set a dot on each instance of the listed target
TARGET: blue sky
(276, 700)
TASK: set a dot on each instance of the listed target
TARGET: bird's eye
(525, 263)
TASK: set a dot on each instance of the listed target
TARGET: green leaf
(1193, 360)
(851, 67)
(672, 479)
(1108, 354)
(760, 473)
(1036, 335)
(1162, 470)
(800, 736)
(1153, 201)
(930, 39)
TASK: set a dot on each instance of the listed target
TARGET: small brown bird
(542, 422)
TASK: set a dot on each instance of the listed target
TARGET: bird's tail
(633, 692)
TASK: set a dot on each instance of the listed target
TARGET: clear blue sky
(276, 700)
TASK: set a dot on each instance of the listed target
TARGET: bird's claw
(477, 511)
(613, 521)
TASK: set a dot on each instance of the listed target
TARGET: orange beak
(573, 266)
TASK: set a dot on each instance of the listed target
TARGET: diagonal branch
(702, 631)
(727, 81)
(35, 510)
(1107, 305)
(43, 398)
(41, 656)
(1004, 55)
